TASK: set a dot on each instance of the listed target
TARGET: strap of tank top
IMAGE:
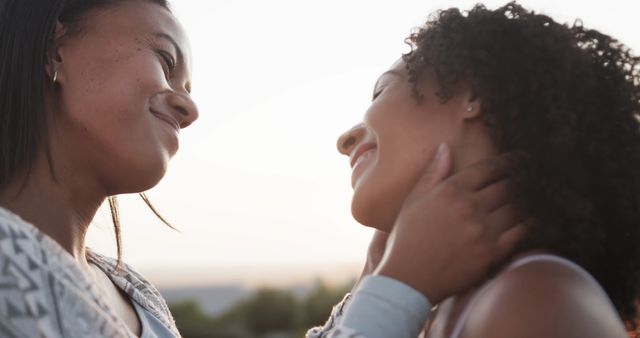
(457, 330)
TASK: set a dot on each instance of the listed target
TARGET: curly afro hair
(567, 98)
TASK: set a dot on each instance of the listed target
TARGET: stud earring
(470, 108)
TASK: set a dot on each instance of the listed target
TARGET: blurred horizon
(252, 276)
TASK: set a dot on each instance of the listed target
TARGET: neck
(473, 145)
(60, 207)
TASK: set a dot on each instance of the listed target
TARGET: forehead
(397, 65)
(397, 70)
(138, 20)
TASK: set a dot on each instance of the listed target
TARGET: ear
(470, 104)
(54, 60)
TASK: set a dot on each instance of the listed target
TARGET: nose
(350, 139)
(185, 107)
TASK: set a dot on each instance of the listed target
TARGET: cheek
(405, 144)
(378, 198)
(108, 108)
(407, 136)
(106, 121)
(112, 72)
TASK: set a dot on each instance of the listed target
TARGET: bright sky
(258, 181)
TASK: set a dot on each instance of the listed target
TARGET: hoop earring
(55, 77)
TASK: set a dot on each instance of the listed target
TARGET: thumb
(435, 172)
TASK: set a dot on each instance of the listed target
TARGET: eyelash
(168, 61)
(376, 94)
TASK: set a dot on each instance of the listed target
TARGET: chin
(369, 215)
(377, 201)
(139, 178)
(137, 185)
(147, 183)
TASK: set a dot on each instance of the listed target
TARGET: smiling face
(121, 95)
(398, 136)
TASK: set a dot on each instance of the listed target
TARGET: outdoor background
(261, 197)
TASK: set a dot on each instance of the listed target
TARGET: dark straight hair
(26, 31)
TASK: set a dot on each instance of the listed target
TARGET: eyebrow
(173, 42)
(388, 72)
(392, 72)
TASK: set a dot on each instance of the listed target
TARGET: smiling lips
(362, 152)
(167, 119)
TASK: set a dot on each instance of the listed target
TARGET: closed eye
(377, 93)
(169, 62)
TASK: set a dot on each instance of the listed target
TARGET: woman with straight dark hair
(93, 95)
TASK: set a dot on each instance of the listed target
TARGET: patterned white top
(44, 294)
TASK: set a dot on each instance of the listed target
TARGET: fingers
(508, 240)
(440, 167)
(483, 173)
(502, 219)
(494, 196)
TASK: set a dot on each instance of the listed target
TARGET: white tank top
(457, 329)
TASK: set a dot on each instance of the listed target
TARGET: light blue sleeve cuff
(383, 307)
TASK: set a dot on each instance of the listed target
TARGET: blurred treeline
(268, 313)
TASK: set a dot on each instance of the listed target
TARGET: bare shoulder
(543, 298)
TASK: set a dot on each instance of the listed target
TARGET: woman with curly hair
(93, 95)
(564, 100)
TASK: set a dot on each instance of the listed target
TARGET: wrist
(422, 283)
(386, 307)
